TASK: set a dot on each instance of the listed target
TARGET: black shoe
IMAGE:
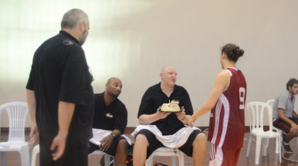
(287, 148)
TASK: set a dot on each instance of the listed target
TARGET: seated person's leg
(195, 147)
(280, 124)
(121, 153)
(118, 144)
(145, 144)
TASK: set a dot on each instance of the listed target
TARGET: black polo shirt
(154, 97)
(113, 116)
(60, 73)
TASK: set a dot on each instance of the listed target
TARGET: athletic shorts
(280, 124)
(112, 149)
(74, 155)
(224, 156)
(155, 144)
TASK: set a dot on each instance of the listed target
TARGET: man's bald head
(168, 75)
(165, 68)
(114, 86)
(112, 79)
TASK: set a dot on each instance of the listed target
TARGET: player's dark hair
(291, 82)
(232, 51)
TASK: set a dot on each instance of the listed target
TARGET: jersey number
(241, 97)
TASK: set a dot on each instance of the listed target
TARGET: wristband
(113, 134)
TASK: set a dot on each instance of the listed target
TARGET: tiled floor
(271, 159)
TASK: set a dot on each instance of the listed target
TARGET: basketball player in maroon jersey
(227, 99)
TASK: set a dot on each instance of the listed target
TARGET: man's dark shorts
(280, 124)
(154, 144)
(112, 149)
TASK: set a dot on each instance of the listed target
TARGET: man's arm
(182, 116)
(65, 113)
(34, 134)
(146, 119)
(106, 142)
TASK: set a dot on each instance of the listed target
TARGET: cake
(170, 107)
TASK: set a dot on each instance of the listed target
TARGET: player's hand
(106, 142)
(181, 115)
(34, 135)
(191, 121)
(58, 147)
(161, 115)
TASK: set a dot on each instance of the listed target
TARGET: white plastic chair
(271, 102)
(173, 152)
(3, 154)
(105, 155)
(17, 113)
(35, 152)
(256, 112)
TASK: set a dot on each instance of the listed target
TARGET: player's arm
(65, 113)
(182, 116)
(222, 80)
(34, 134)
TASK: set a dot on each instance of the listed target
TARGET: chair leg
(265, 146)
(3, 158)
(258, 149)
(276, 145)
(249, 143)
(107, 159)
(114, 163)
(173, 160)
(149, 161)
(181, 158)
(25, 157)
(279, 148)
(297, 142)
(34, 155)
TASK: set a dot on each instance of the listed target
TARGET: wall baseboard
(129, 130)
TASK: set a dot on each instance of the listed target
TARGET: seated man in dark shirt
(164, 129)
(109, 122)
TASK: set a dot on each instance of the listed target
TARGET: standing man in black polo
(60, 95)
(110, 120)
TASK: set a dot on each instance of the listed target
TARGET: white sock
(286, 143)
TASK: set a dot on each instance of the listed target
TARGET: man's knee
(123, 144)
(200, 138)
(142, 140)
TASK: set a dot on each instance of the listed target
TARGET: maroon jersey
(227, 124)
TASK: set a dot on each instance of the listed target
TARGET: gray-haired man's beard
(84, 37)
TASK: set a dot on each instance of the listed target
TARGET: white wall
(134, 39)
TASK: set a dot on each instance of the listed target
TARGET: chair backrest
(256, 115)
(17, 113)
(271, 102)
